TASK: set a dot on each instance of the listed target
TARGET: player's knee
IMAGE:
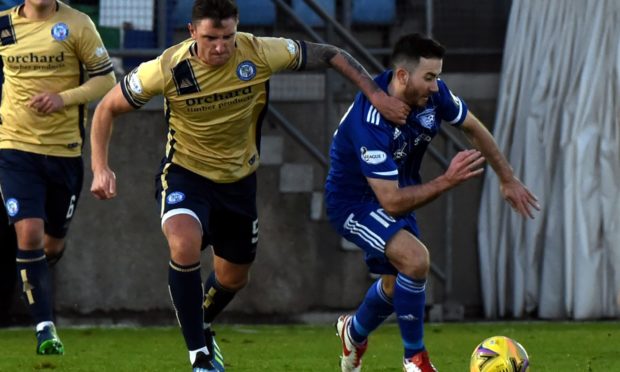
(184, 251)
(233, 281)
(53, 246)
(184, 239)
(417, 263)
(53, 254)
(29, 236)
(231, 276)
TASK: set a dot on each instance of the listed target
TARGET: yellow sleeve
(143, 83)
(282, 54)
(90, 50)
(92, 89)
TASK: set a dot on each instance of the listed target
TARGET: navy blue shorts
(226, 211)
(369, 227)
(41, 186)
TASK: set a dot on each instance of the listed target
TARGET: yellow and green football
(499, 354)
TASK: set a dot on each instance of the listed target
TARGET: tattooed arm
(322, 56)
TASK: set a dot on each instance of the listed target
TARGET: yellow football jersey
(214, 113)
(46, 56)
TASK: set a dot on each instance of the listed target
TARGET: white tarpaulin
(558, 122)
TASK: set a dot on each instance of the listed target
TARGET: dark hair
(410, 48)
(216, 10)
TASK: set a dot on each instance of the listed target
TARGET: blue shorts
(226, 211)
(41, 186)
(369, 227)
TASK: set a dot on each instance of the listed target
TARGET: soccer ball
(499, 354)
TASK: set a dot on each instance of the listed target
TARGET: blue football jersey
(368, 145)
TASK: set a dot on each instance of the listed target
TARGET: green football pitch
(552, 346)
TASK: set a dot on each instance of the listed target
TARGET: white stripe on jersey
(346, 114)
(458, 102)
(380, 220)
(390, 173)
(373, 116)
(365, 233)
(369, 113)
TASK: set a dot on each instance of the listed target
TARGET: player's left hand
(390, 107)
(46, 103)
(520, 198)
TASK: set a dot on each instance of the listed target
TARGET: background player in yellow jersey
(215, 90)
(46, 48)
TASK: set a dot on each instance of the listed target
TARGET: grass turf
(553, 346)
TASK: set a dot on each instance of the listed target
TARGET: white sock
(193, 353)
(42, 325)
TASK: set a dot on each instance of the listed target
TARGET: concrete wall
(116, 264)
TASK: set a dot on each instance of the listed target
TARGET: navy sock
(409, 301)
(185, 287)
(34, 279)
(216, 298)
(373, 311)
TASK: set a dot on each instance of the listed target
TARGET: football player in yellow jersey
(46, 48)
(215, 86)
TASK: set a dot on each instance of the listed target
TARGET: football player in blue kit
(374, 187)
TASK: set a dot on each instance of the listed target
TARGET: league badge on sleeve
(60, 31)
(100, 51)
(372, 156)
(134, 82)
(291, 46)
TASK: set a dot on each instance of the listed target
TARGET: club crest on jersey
(246, 70)
(60, 31)
(372, 156)
(427, 118)
(175, 197)
(12, 207)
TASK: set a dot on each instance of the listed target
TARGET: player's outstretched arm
(321, 56)
(104, 179)
(520, 198)
(398, 201)
(93, 88)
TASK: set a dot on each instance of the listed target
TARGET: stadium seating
(181, 11)
(256, 13)
(309, 16)
(251, 13)
(6, 4)
(372, 12)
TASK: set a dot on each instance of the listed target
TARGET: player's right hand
(104, 184)
(465, 165)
